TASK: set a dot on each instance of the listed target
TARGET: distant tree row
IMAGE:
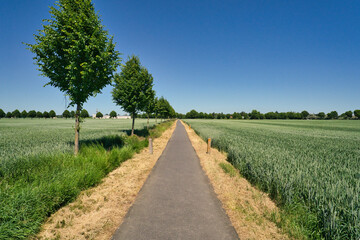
(24, 114)
(71, 114)
(254, 114)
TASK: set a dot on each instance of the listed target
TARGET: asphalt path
(177, 200)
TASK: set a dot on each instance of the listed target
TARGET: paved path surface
(177, 201)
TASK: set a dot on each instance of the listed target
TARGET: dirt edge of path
(99, 211)
(249, 209)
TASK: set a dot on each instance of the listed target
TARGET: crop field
(308, 167)
(29, 137)
(39, 173)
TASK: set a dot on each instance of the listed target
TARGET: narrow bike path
(176, 201)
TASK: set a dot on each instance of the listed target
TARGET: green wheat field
(39, 172)
(311, 168)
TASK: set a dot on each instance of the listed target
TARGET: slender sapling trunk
(133, 124)
(148, 121)
(77, 129)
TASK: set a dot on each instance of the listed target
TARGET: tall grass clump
(310, 168)
(32, 188)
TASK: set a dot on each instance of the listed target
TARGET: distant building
(108, 117)
(123, 117)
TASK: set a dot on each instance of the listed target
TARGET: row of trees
(271, 115)
(133, 91)
(77, 55)
(72, 114)
(24, 114)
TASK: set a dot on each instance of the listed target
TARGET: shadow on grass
(112, 141)
(108, 142)
(139, 132)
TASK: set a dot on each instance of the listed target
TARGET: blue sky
(214, 56)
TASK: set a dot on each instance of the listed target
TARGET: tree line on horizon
(254, 114)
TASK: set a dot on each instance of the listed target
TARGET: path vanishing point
(177, 200)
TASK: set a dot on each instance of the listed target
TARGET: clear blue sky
(214, 56)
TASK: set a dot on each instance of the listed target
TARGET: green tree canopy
(16, 113)
(24, 114)
(39, 114)
(52, 114)
(2, 113)
(72, 114)
(304, 114)
(348, 114)
(99, 115)
(75, 52)
(46, 114)
(113, 114)
(333, 115)
(149, 104)
(321, 115)
(32, 114)
(84, 114)
(165, 110)
(357, 113)
(131, 88)
(8, 115)
(66, 114)
(192, 114)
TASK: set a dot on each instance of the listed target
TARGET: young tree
(75, 52)
(113, 114)
(357, 113)
(156, 108)
(46, 114)
(23, 114)
(149, 104)
(52, 114)
(32, 114)
(16, 113)
(2, 113)
(8, 115)
(130, 88)
(84, 114)
(165, 109)
(66, 114)
(99, 115)
(39, 114)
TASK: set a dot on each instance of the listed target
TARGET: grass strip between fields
(33, 188)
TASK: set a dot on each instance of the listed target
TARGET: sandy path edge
(248, 208)
(99, 211)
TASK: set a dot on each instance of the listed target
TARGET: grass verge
(31, 189)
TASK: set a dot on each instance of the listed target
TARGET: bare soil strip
(97, 212)
(248, 208)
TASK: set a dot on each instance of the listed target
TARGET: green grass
(33, 185)
(310, 168)
(228, 168)
(29, 137)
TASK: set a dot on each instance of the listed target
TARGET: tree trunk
(77, 129)
(148, 122)
(133, 124)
